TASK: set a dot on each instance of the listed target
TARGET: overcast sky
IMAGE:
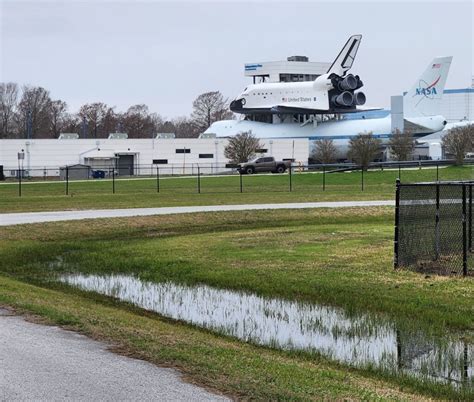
(164, 54)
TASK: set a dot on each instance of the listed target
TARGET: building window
(204, 156)
(261, 151)
(160, 161)
(183, 150)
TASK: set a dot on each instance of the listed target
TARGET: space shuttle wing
(346, 56)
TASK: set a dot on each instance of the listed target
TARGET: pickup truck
(263, 164)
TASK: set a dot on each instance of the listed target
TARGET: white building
(295, 68)
(135, 156)
(458, 104)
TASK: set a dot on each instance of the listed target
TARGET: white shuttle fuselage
(333, 92)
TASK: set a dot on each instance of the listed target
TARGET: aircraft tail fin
(346, 56)
(424, 97)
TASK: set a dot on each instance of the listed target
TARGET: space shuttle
(421, 116)
(332, 92)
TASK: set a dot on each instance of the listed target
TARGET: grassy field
(142, 192)
(335, 257)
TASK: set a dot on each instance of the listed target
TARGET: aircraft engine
(359, 98)
(349, 83)
(344, 99)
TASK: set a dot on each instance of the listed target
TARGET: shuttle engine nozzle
(349, 83)
(359, 98)
(344, 99)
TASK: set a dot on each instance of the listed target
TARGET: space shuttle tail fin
(346, 56)
(424, 97)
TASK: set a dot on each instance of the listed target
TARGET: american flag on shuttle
(436, 65)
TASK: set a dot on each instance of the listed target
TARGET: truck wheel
(249, 170)
(281, 169)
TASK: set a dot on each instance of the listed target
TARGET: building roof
(100, 154)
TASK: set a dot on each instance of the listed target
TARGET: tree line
(363, 148)
(31, 112)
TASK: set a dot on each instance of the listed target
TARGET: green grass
(38, 196)
(336, 257)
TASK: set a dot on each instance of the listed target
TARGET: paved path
(37, 217)
(39, 362)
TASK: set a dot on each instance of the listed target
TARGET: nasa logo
(426, 89)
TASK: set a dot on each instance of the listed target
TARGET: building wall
(51, 153)
(274, 68)
(458, 104)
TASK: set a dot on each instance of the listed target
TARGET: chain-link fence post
(289, 175)
(199, 179)
(470, 217)
(113, 180)
(157, 179)
(20, 173)
(397, 220)
(464, 231)
(241, 183)
(67, 180)
(437, 223)
(324, 178)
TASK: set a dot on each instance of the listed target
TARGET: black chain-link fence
(434, 227)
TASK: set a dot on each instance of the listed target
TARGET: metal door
(125, 165)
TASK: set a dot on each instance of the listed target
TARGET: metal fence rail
(217, 178)
(434, 227)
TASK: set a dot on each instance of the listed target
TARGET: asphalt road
(39, 362)
(38, 217)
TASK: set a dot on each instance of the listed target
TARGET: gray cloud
(165, 53)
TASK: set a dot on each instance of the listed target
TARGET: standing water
(359, 340)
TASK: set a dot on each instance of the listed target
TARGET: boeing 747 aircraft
(422, 116)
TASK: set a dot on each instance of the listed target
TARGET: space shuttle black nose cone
(236, 105)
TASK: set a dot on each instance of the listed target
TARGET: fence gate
(434, 227)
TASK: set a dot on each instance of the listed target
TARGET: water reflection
(360, 340)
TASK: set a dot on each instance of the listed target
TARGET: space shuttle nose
(236, 105)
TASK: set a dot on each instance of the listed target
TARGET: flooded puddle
(360, 340)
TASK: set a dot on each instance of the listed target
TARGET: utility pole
(29, 126)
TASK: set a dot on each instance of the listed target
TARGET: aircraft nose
(236, 105)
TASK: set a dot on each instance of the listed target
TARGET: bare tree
(58, 117)
(71, 124)
(458, 141)
(324, 151)
(363, 148)
(94, 114)
(110, 122)
(401, 145)
(34, 110)
(242, 147)
(138, 122)
(185, 128)
(8, 104)
(208, 108)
